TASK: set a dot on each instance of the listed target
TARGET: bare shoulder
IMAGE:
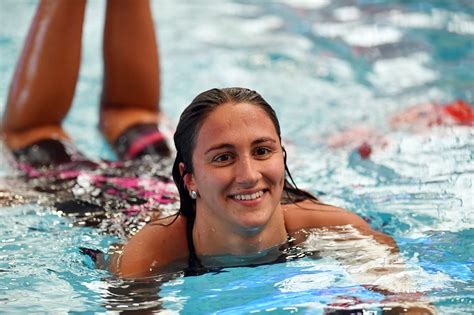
(308, 214)
(157, 245)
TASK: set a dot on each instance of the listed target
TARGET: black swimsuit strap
(193, 260)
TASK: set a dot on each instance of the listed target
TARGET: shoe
(140, 140)
(47, 153)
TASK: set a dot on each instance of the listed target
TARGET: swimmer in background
(43, 85)
(40, 96)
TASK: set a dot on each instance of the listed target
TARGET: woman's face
(238, 168)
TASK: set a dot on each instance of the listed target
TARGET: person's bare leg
(43, 85)
(131, 87)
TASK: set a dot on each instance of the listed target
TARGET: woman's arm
(371, 257)
(308, 214)
(153, 248)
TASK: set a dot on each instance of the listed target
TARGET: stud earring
(194, 194)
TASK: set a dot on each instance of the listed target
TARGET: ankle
(22, 138)
(115, 121)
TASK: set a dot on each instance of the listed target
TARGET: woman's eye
(262, 152)
(222, 158)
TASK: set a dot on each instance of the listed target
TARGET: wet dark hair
(190, 123)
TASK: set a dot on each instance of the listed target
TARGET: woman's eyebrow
(262, 140)
(221, 146)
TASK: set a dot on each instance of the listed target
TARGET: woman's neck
(216, 239)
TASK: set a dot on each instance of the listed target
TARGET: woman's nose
(247, 172)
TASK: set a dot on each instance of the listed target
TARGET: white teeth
(253, 196)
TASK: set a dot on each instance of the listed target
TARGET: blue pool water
(325, 66)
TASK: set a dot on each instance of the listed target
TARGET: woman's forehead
(236, 120)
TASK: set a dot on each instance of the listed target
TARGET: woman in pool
(236, 197)
(230, 165)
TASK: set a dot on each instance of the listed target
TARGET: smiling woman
(239, 176)
(236, 199)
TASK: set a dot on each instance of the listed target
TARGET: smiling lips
(249, 197)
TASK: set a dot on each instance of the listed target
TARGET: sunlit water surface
(325, 66)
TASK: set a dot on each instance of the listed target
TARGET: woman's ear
(188, 178)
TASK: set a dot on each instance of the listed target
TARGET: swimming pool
(324, 67)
